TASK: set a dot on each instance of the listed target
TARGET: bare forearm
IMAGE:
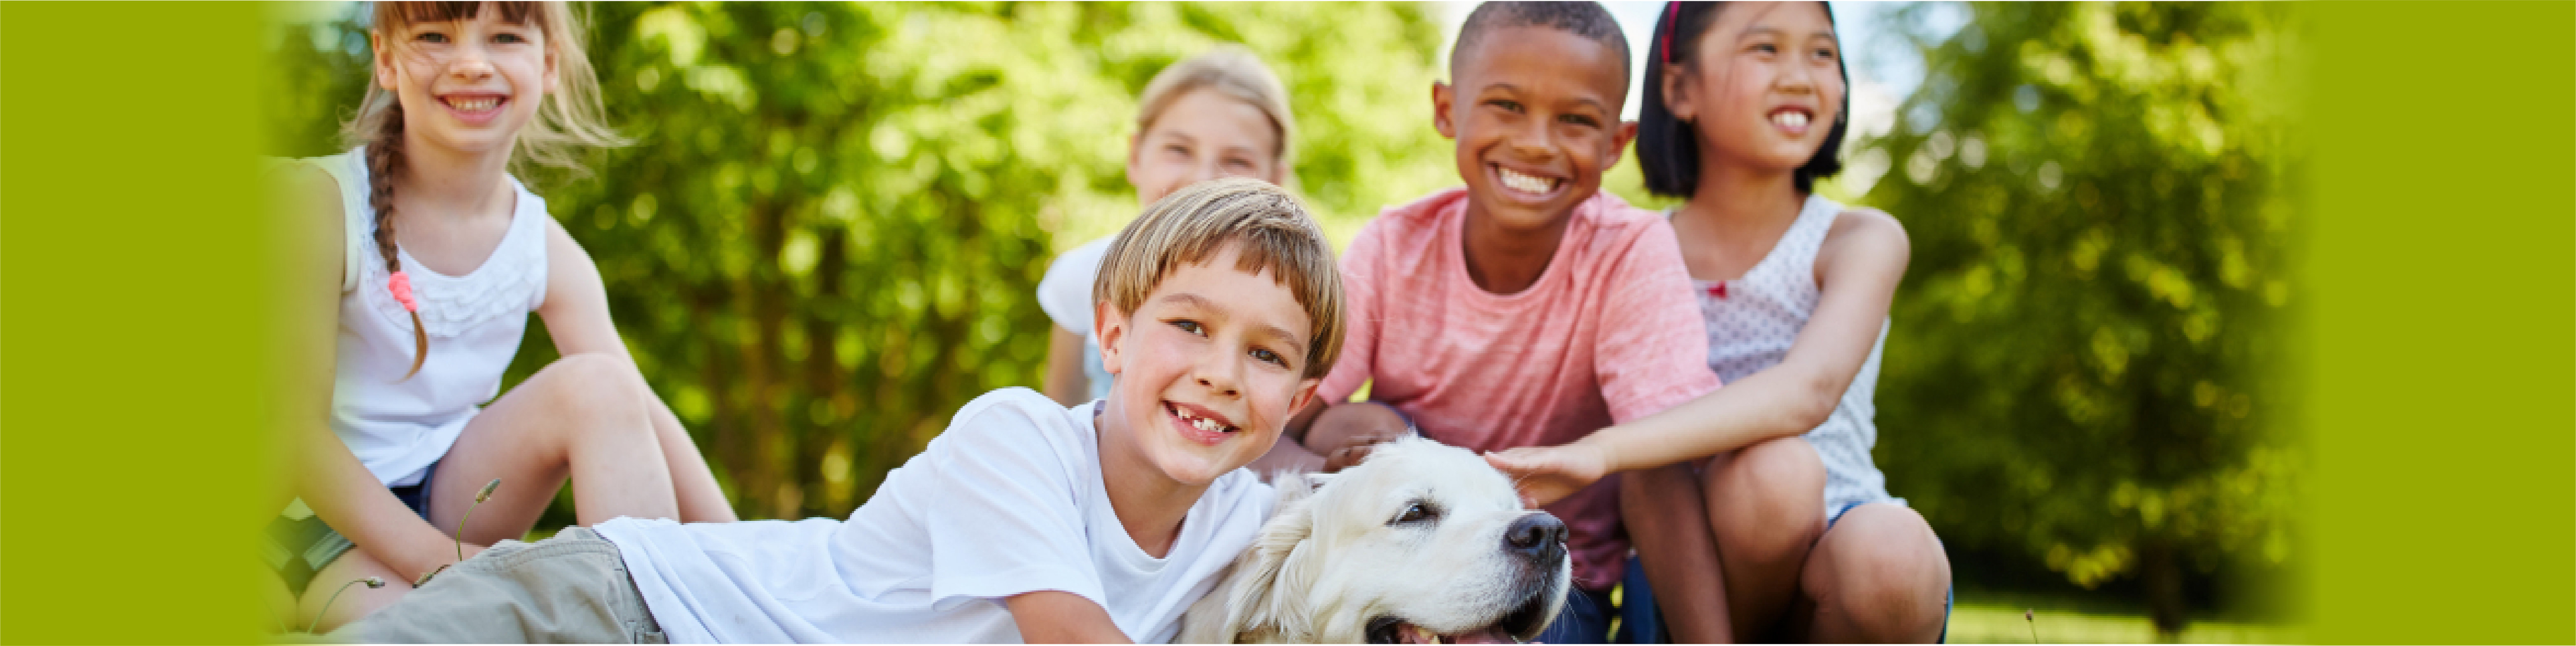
(1058, 617)
(346, 496)
(1768, 404)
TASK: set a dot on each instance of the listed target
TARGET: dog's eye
(1416, 513)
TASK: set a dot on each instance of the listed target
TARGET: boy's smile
(1209, 369)
(1535, 111)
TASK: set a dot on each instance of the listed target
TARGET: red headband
(1672, 14)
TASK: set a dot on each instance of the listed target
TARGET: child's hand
(1546, 474)
(1343, 434)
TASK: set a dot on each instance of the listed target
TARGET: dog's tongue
(1413, 634)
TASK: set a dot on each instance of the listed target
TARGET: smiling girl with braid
(439, 256)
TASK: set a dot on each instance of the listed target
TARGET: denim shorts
(299, 545)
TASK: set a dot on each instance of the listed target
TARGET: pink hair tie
(400, 285)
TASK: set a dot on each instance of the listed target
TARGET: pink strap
(400, 285)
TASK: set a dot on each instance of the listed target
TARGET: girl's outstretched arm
(329, 478)
(1863, 257)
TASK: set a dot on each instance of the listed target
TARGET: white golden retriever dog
(1421, 543)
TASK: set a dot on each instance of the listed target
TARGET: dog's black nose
(1539, 536)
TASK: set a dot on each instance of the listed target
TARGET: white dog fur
(1416, 534)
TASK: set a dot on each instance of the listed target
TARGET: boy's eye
(429, 37)
(1765, 48)
(1267, 356)
(1507, 105)
(1189, 326)
(1824, 53)
(1580, 120)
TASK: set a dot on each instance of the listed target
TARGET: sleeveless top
(398, 427)
(1753, 320)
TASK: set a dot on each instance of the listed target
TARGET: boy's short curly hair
(1194, 223)
(1586, 19)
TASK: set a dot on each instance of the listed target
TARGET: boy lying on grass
(1219, 309)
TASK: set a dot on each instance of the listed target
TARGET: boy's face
(1535, 112)
(1209, 369)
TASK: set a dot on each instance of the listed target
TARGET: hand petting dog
(1546, 474)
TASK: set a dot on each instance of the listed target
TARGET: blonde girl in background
(432, 256)
(1219, 114)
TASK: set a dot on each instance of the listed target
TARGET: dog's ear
(1316, 480)
(1267, 583)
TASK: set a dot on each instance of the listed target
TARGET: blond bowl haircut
(1267, 228)
(1232, 71)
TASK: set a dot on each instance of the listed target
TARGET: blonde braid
(384, 161)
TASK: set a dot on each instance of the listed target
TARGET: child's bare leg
(1766, 505)
(701, 499)
(357, 601)
(1667, 520)
(1879, 576)
(582, 417)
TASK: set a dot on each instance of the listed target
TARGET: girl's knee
(592, 386)
(1775, 478)
(1889, 574)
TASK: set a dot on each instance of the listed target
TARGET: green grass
(1984, 623)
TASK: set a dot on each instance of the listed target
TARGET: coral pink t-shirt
(1608, 333)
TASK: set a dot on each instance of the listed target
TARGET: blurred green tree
(2079, 369)
(829, 232)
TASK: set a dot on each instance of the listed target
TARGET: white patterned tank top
(1753, 320)
(398, 427)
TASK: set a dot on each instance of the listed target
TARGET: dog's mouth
(1522, 623)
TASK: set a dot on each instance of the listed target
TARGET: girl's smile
(468, 84)
(1763, 86)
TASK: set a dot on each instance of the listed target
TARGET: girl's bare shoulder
(1865, 237)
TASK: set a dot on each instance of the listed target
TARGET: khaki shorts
(570, 589)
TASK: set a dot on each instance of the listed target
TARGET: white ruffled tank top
(1753, 320)
(399, 427)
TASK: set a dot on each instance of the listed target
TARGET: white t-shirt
(1008, 500)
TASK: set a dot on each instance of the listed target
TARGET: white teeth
(1524, 183)
(473, 105)
(1790, 119)
(1201, 423)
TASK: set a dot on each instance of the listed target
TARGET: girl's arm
(576, 315)
(328, 477)
(576, 306)
(1065, 382)
(1863, 257)
(1059, 617)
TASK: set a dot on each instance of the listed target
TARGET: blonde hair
(1272, 232)
(1232, 71)
(570, 115)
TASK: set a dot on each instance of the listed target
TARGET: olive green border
(132, 263)
(2439, 326)
(2441, 283)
